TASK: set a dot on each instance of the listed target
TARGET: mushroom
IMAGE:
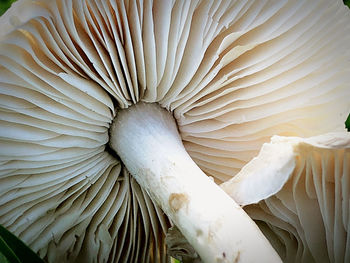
(302, 196)
(214, 79)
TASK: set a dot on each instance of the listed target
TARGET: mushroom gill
(232, 73)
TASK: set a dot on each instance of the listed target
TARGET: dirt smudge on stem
(178, 201)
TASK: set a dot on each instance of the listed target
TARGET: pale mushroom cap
(233, 73)
(303, 201)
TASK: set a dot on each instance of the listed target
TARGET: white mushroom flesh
(303, 200)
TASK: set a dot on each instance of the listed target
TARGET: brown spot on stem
(177, 201)
(237, 257)
(210, 235)
(199, 232)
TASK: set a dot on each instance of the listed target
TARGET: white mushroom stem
(146, 138)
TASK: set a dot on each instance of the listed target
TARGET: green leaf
(14, 250)
(347, 2)
(3, 259)
(7, 252)
(174, 260)
(4, 5)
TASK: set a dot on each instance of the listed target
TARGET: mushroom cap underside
(232, 73)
